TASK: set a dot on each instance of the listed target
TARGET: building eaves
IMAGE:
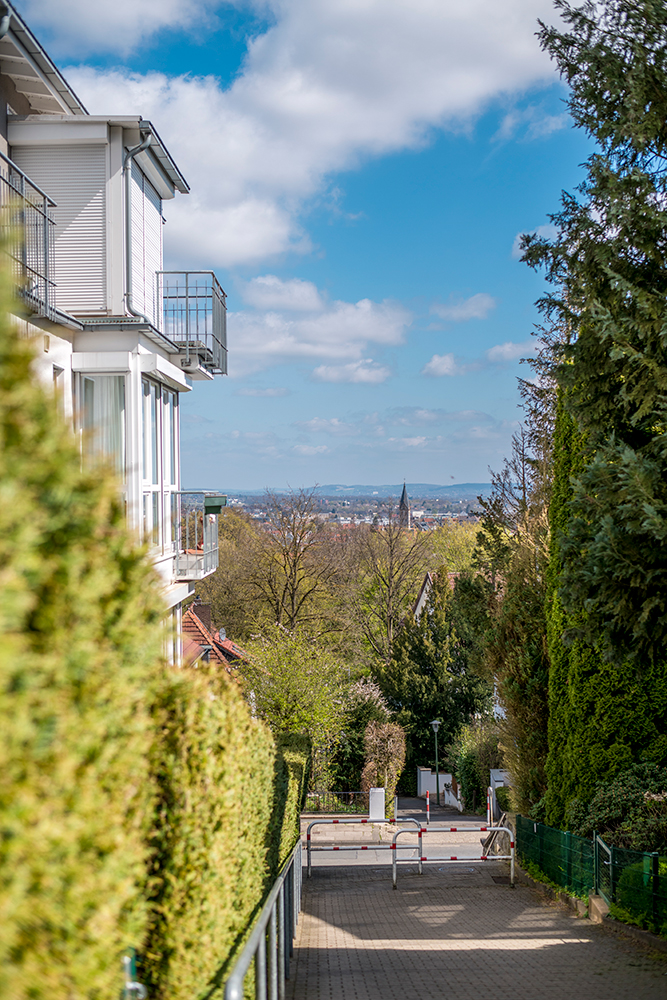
(35, 52)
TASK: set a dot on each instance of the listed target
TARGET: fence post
(612, 887)
(655, 884)
(596, 876)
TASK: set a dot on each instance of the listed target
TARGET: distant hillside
(416, 491)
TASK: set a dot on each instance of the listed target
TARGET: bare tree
(393, 562)
(294, 560)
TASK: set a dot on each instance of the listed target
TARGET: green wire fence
(632, 881)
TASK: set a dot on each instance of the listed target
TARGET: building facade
(119, 338)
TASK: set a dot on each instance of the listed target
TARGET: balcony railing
(28, 232)
(195, 517)
(193, 313)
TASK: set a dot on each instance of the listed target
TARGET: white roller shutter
(146, 243)
(75, 177)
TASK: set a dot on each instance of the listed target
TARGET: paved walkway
(456, 933)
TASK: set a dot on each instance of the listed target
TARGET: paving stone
(455, 933)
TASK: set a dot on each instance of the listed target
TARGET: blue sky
(360, 170)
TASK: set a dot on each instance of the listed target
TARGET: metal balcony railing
(193, 314)
(27, 228)
(195, 518)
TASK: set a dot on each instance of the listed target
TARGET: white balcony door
(160, 465)
(146, 243)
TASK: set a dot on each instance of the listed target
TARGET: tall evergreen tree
(609, 265)
(428, 677)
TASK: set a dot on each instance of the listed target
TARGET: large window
(101, 406)
(160, 464)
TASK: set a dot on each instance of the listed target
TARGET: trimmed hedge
(79, 660)
(227, 817)
(140, 806)
(603, 717)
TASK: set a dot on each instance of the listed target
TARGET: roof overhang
(155, 161)
(40, 86)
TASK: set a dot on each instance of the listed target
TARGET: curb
(610, 924)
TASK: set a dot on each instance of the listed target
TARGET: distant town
(430, 504)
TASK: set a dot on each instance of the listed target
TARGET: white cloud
(549, 232)
(456, 310)
(510, 351)
(329, 83)
(535, 121)
(269, 292)
(366, 370)
(121, 26)
(268, 393)
(331, 425)
(341, 331)
(310, 449)
(443, 364)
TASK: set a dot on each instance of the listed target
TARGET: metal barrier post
(281, 943)
(428, 807)
(511, 862)
(260, 969)
(273, 957)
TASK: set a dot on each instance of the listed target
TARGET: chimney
(203, 612)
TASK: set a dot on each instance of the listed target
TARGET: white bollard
(428, 808)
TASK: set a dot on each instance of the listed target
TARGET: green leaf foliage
(79, 663)
(603, 717)
(628, 812)
(428, 678)
(474, 751)
(227, 817)
(609, 263)
(140, 805)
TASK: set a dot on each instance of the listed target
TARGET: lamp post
(435, 726)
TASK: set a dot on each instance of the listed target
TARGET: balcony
(195, 520)
(28, 238)
(193, 313)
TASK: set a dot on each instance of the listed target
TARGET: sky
(360, 173)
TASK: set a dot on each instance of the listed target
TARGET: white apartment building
(120, 338)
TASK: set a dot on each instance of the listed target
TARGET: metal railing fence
(192, 311)
(27, 231)
(195, 531)
(270, 944)
(564, 858)
(635, 881)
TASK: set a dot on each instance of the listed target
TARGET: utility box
(376, 805)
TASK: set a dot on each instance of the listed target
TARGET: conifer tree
(609, 265)
(79, 654)
(429, 677)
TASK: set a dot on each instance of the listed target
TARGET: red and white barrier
(358, 847)
(428, 807)
(453, 858)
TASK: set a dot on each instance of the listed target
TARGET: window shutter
(75, 177)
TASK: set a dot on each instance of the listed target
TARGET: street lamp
(435, 726)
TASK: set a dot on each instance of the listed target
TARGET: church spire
(404, 515)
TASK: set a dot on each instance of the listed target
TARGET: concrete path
(457, 933)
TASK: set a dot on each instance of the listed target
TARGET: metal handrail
(279, 916)
(17, 170)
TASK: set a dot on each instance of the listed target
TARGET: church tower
(404, 515)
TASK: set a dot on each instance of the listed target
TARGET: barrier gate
(357, 847)
(453, 859)
(394, 847)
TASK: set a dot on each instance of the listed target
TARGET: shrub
(472, 754)
(79, 661)
(227, 818)
(628, 812)
(365, 703)
(384, 743)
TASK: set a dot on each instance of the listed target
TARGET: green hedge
(79, 661)
(227, 817)
(140, 806)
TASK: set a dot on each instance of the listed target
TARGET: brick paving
(455, 933)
